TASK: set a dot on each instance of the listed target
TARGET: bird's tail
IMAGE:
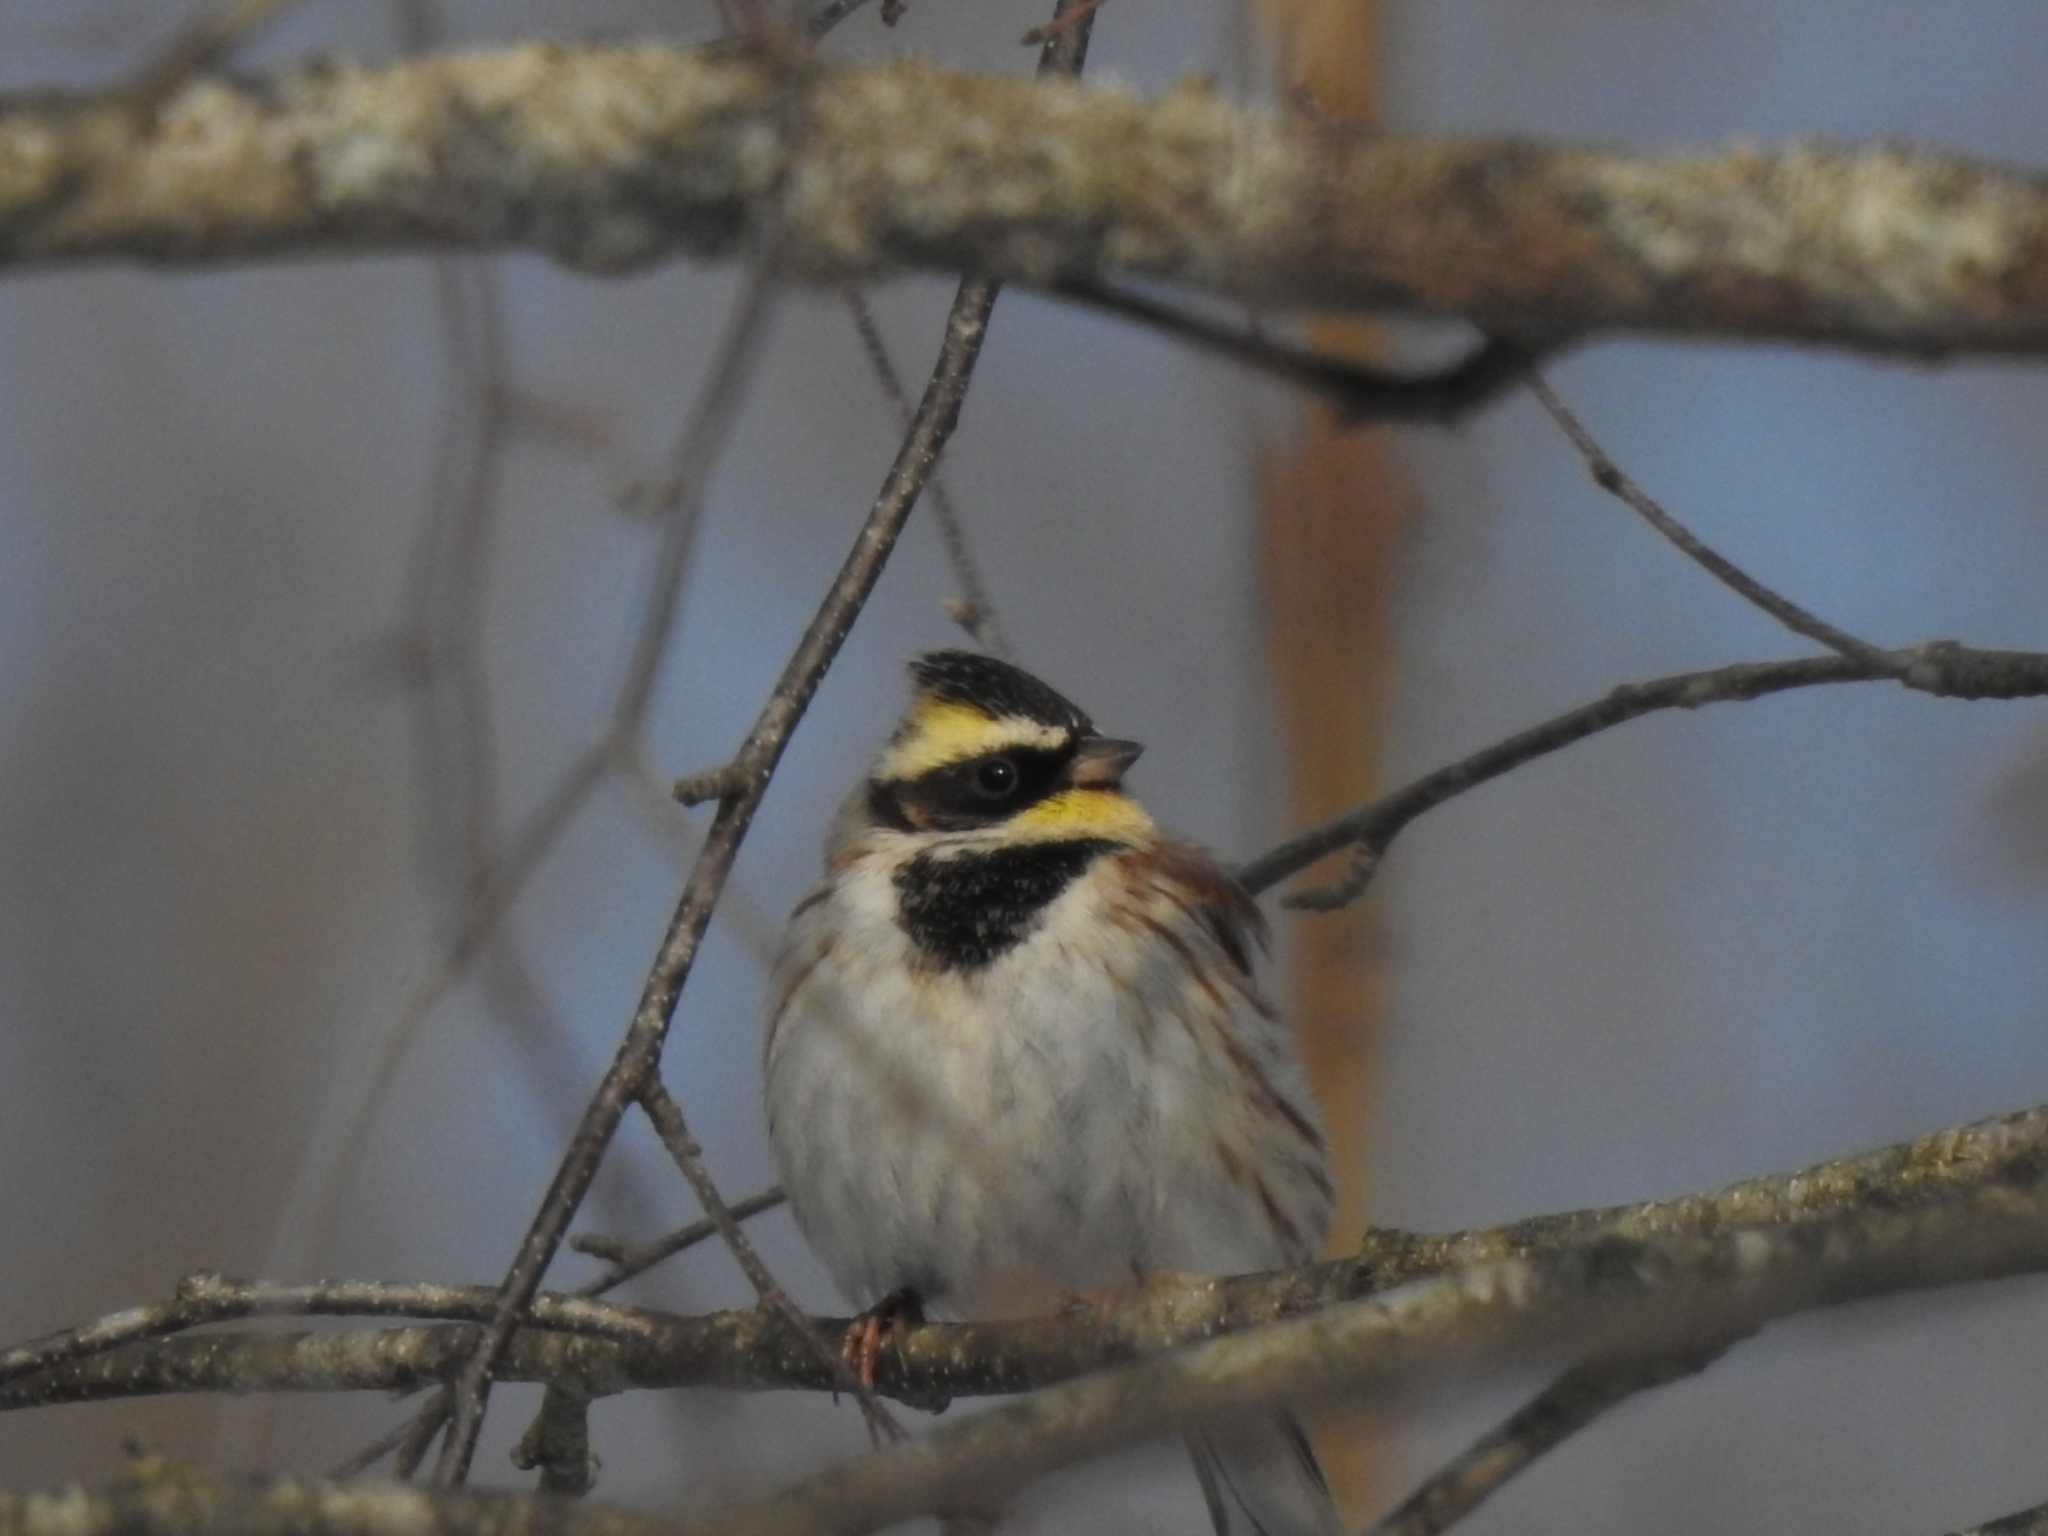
(1261, 1479)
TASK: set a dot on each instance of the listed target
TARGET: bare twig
(612, 157)
(758, 930)
(630, 1259)
(689, 468)
(206, 1298)
(2025, 1522)
(678, 498)
(667, 1118)
(1359, 390)
(490, 901)
(828, 16)
(1065, 20)
(205, 42)
(756, 760)
(557, 1443)
(974, 611)
(409, 1440)
(420, 1434)
(1940, 668)
(1610, 478)
(1557, 1413)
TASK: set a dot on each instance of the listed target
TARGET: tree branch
(1614, 1294)
(1610, 477)
(601, 1348)
(1941, 668)
(614, 157)
(1542, 1424)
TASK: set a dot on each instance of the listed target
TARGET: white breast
(1065, 1117)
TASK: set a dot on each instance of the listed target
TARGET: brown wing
(1189, 876)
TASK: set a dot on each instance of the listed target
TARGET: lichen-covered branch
(1613, 1295)
(613, 157)
(601, 1349)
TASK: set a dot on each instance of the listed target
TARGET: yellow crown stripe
(940, 731)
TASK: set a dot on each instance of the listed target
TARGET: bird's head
(985, 745)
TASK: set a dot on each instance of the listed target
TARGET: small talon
(861, 1347)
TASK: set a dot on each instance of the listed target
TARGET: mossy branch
(609, 158)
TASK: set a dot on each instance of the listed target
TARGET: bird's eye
(995, 779)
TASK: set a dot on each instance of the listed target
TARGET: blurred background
(315, 580)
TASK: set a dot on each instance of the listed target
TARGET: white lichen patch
(1753, 1252)
(68, 1512)
(31, 164)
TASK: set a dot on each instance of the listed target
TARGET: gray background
(1689, 951)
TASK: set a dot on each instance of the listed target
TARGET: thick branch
(617, 1348)
(1650, 1296)
(614, 157)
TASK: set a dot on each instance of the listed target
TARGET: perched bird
(1015, 1050)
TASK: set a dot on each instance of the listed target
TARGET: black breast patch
(965, 910)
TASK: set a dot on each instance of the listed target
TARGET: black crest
(994, 687)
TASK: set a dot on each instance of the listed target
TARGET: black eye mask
(983, 790)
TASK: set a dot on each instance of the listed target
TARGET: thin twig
(207, 1298)
(689, 469)
(1360, 391)
(630, 1259)
(409, 1439)
(1073, 16)
(1940, 668)
(828, 16)
(974, 611)
(2024, 1522)
(758, 931)
(1542, 1424)
(419, 1435)
(1610, 477)
(678, 498)
(638, 1053)
(666, 1116)
(202, 44)
(321, 1190)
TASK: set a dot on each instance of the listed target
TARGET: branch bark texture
(1615, 1294)
(609, 158)
(601, 1348)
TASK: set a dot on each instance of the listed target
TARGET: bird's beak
(1100, 761)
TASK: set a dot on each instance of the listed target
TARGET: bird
(1015, 1052)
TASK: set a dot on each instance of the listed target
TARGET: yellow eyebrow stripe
(940, 732)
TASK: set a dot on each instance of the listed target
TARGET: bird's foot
(861, 1347)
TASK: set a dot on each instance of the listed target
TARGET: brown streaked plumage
(1016, 1047)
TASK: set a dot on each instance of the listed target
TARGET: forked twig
(666, 1115)
(630, 1259)
(1940, 668)
(1610, 477)
(976, 612)
(1542, 1424)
